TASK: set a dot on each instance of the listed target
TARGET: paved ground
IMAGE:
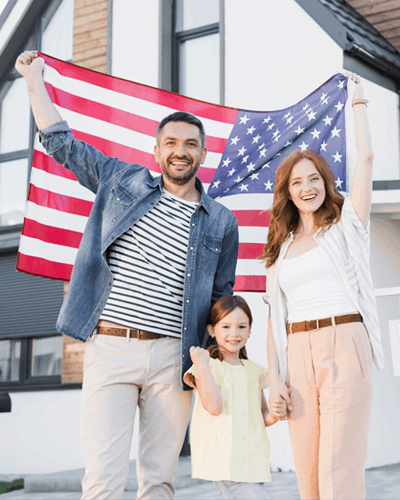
(382, 483)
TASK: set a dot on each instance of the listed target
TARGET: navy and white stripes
(148, 263)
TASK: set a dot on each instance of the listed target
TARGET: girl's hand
(199, 356)
(278, 408)
(279, 394)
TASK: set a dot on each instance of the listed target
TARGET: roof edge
(322, 16)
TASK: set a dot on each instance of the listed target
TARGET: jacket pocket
(210, 255)
(121, 197)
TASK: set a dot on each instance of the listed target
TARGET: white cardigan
(347, 244)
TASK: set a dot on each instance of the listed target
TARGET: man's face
(179, 152)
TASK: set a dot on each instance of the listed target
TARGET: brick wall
(90, 34)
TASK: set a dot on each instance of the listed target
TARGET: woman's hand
(359, 89)
(279, 394)
(29, 64)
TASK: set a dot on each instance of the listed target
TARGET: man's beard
(183, 179)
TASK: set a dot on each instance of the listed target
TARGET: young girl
(229, 444)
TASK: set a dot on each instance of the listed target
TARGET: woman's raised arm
(361, 191)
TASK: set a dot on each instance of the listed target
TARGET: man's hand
(199, 356)
(29, 64)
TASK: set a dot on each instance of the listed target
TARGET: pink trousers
(330, 374)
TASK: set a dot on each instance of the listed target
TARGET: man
(155, 254)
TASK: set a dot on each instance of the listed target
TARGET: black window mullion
(14, 155)
(23, 369)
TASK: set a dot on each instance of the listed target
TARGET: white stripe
(254, 201)
(250, 267)
(60, 185)
(253, 234)
(49, 251)
(127, 103)
(121, 135)
(55, 218)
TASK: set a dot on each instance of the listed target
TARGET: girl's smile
(231, 334)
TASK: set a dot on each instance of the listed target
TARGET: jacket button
(117, 199)
(133, 218)
(191, 248)
(189, 275)
(188, 301)
(98, 310)
(109, 284)
(185, 328)
(193, 224)
(151, 203)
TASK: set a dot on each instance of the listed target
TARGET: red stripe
(250, 250)
(252, 217)
(116, 116)
(63, 203)
(144, 92)
(47, 163)
(50, 234)
(43, 267)
(250, 284)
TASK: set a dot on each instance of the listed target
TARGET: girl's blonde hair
(224, 306)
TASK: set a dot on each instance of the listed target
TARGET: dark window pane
(10, 355)
(46, 356)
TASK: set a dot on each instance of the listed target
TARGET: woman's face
(306, 186)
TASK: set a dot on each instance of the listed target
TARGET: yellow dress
(233, 446)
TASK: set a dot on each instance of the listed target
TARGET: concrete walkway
(381, 483)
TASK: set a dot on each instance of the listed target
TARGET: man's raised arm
(30, 66)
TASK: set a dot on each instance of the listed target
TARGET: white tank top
(312, 288)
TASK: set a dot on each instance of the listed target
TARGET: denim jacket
(124, 193)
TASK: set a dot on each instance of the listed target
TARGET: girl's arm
(279, 409)
(361, 191)
(209, 392)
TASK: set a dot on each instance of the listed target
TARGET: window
(52, 33)
(30, 347)
(196, 50)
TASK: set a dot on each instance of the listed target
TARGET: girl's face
(306, 186)
(231, 333)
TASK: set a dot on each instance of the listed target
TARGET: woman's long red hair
(285, 215)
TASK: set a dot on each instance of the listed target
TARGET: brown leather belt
(129, 333)
(317, 324)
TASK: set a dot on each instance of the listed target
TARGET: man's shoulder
(220, 213)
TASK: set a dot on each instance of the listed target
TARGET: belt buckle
(315, 329)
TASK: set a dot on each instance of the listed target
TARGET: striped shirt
(148, 264)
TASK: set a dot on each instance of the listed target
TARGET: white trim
(384, 292)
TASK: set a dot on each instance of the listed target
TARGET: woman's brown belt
(317, 324)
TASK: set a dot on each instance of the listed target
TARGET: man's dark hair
(183, 116)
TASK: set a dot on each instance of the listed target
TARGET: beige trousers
(120, 376)
(330, 374)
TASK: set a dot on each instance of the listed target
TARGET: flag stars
(267, 165)
(288, 143)
(311, 115)
(289, 120)
(243, 187)
(341, 84)
(235, 140)
(245, 159)
(306, 106)
(263, 151)
(276, 133)
(268, 185)
(254, 177)
(250, 166)
(277, 138)
(267, 120)
(256, 138)
(271, 126)
(315, 133)
(337, 157)
(242, 151)
(251, 130)
(299, 130)
(226, 162)
(323, 146)
(338, 183)
(303, 146)
(244, 119)
(238, 179)
(335, 132)
(216, 184)
(287, 114)
(327, 120)
(339, 106)
(231, 172)
(324, 98)
(262, 145)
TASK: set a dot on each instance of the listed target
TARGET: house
(259, 54)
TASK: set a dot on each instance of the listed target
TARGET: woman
(323, 328)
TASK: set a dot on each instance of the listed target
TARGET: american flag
(120, 119)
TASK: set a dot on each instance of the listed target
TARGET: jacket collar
(205, 200)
